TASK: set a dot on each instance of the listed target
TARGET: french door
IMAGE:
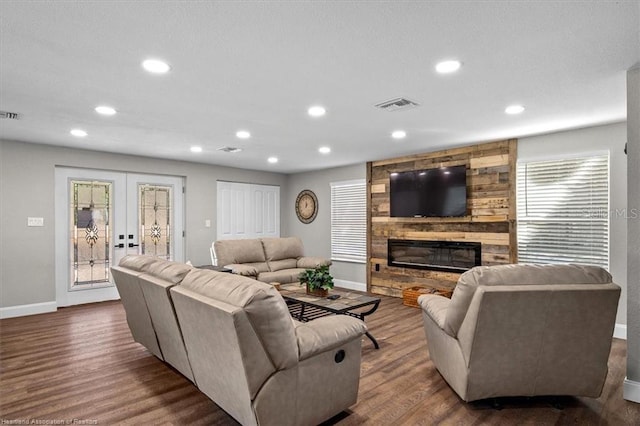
(102, 216)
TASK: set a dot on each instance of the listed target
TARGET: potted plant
(318, 281)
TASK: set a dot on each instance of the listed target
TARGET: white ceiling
(259, 65)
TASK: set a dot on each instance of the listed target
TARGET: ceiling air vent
(397, 104)
(229, 149)
(10, 115)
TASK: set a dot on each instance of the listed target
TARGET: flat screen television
(429, 193)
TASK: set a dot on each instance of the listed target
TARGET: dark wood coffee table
(306, 307)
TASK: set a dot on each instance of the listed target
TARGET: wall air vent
(10, 115)
(397, 104)
(229, 149)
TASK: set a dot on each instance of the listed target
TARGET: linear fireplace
(449, 256)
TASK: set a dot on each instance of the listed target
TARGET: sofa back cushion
(521, 274)
(238, 251)
(138, 263)
(282, 248)
(265, 308)
(172, 272)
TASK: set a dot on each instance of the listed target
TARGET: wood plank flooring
(82, 363)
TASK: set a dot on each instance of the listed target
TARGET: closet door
(247, 210)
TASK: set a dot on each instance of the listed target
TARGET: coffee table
(306, 307)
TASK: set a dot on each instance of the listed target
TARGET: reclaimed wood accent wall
(490, 220)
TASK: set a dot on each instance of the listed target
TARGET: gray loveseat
(234, 338)
(523, 330)
(266, 259)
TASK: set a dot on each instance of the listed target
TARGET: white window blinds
(563, 211)
(349, 221)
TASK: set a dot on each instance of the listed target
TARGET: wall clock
(306, 206)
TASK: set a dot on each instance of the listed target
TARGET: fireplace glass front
(449, 256)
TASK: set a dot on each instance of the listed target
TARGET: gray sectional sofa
(235, 339)
(266, 259)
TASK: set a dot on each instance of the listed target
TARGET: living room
(30, 151)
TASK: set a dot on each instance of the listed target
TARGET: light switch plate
(35, 221)
(207, 223)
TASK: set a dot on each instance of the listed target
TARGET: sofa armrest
(435, 306)
(326, 333)
(244, 270)
(312, 262)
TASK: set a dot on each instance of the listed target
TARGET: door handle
(133, 245)
(121, 245)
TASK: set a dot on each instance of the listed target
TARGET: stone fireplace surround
(448, 256)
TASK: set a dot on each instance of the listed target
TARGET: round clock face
(306, 206)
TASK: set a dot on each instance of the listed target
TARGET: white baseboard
(620, 331)
(24, 310)
(631, 390)
(350, 285)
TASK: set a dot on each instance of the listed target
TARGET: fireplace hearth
(448, 256)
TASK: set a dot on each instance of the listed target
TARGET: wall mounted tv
(429, 193)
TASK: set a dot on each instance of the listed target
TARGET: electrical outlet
(35, 221)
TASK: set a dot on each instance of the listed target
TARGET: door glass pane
(155, 220)
(90, 233)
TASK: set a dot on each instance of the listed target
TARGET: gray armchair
(523, 330)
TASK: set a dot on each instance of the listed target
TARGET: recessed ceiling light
(272, 160)
(196, 149)
(514, 109)
(243, 134)
(79, 133)
(105, 110)
(399, 134)
(446, 67)
(156, 66)
(324, 150)
(316, 111)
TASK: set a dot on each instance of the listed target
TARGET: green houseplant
(318, 280)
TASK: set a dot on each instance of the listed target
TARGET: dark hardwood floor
(82, 363)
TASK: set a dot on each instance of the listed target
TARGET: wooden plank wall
(490, 220)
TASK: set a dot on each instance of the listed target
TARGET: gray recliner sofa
(266, 259)
(235, 339)
(523, 330)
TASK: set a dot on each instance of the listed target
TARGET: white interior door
(102, 216)
(247, 210)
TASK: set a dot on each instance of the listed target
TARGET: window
(563, 211)
(349, 221)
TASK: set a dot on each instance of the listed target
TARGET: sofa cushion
(521, 274)
(244, 270)
(238, 251)
(277, 265)
(282, 276)
(282, 248)
(137, 262)
(172, 272)
(265, 308)
(312, 262)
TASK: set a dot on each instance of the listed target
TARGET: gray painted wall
(27, 189)
(609, 138)
(316, 235)
(633, 254)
